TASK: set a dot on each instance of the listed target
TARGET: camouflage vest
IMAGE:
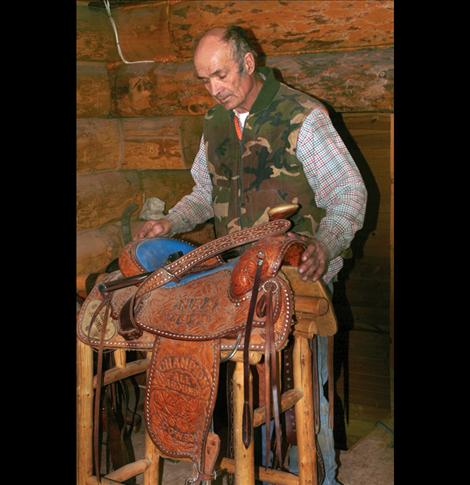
(261, 171)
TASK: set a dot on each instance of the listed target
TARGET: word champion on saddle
(263, 145)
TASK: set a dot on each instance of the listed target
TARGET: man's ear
(250, 63)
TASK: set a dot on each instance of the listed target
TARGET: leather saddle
(189, 306)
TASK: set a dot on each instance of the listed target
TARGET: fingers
(156, 228)
(314, 262)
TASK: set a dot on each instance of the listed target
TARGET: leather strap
(267, 379)
(313, 344)
(247, 424)
(274, 373)
(99, 382)
(288, 383)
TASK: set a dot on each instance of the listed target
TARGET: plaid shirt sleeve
(337, 183)
(195, 207)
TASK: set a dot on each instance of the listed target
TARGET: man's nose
(214, 87)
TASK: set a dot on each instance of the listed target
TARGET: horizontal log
(137, 143)
(144, 32)
(158, 90)
(98, 144)
(121, 474)
(164, 31)
(349, 81)
(161, 143)
(119, 373)
(287, 27)
(261, 473)
(93, 90)
(128, 471)
(288, 400)
(102, 197)
(313, 305)
(359, 80)
(96, 248)
(95, 38)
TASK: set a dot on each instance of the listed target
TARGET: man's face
(221, 75)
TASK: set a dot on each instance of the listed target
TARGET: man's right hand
(159, 227)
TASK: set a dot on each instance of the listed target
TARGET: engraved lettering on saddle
(190, 310)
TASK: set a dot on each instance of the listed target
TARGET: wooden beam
(98, 144)
(121, 474)
(288, 400)
(288, 27)
(272, 476)
(360, 80)
(118, 373)
(349, 81)
(102, 197)
(95, 38)
(93, 90)
(164, 30)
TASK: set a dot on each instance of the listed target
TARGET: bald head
(217, 33)
(235, 37)
(225, 62)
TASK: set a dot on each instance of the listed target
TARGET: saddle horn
(283, 211)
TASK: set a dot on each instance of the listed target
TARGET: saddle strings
(99, 378)
(271, 378)
(247, 421)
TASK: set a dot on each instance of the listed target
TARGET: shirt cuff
(330, 242)
(179, 224)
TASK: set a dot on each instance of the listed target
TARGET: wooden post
(152, 473)
(84, 412)
(244, 457)
(307, 455)
(120, 358)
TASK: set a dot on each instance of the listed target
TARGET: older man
(265, 144)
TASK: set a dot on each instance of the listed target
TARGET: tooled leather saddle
(187, 312)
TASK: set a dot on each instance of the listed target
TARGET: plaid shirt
(330, 171)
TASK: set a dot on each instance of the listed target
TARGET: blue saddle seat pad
(154, 253)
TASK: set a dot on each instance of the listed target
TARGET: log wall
(138, 125)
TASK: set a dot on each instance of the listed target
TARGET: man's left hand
(314, 260)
